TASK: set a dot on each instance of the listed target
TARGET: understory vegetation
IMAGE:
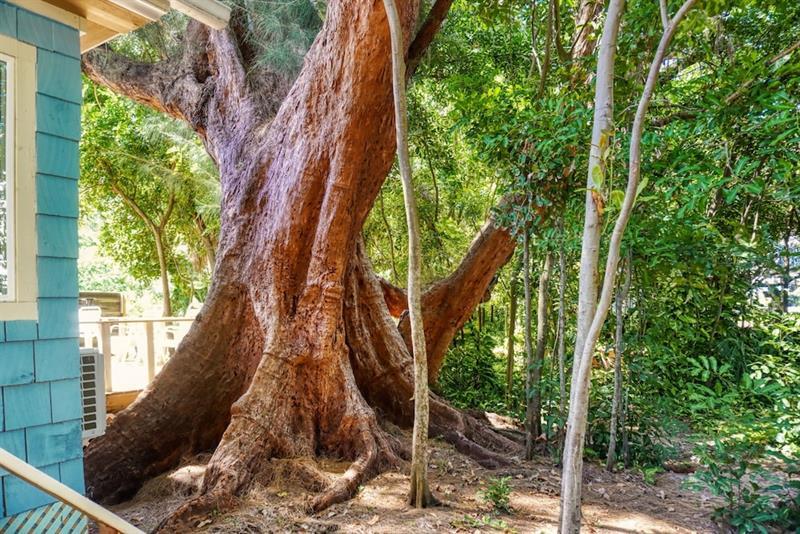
(702, 346)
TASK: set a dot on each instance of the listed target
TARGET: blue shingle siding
(53, 359)
(21, 496)
(58, 117)
(58, 236)
(58, 318)
(8, 20)
(56, 196)
(40, 406)
(51, 444)
(21, 330)
(16, 362)
(13, 442)
(58, 277)
(27, 405)
(72, 475)
(49, 65)
(34, 29)
(65, 396)
(57, 156)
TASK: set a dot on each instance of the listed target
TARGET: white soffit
(210, 12)
(149, 9)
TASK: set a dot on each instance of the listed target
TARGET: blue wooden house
(40, 102)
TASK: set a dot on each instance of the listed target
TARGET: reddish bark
(294, 345)
(448, 304)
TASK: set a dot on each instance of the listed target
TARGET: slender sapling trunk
(534, 413)
(420, 495)
(622, 295)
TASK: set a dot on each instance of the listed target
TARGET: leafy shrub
(755, 499)
(472, 376)
(498, 493)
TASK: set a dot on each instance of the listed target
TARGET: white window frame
(11, 284)
(20, 302)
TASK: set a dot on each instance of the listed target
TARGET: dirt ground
(613, 502)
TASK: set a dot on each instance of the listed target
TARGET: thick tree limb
(448, 304)
(173, 86)
(425, 35)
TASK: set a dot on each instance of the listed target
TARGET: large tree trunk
(444, 315)
(294, 345)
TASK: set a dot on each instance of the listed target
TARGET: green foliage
(755, 498)
(143, 174)
(471, 376)
(498, 494)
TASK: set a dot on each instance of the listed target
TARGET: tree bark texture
(294, 349)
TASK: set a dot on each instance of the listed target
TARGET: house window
(18, 287)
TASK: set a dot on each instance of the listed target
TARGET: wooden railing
(108, 521)
(99, 333)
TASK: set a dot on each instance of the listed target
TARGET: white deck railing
(63, 493)
(100, 333)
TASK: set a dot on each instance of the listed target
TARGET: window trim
(11, 138)
(23, 288)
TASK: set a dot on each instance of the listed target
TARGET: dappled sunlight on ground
(613, 502)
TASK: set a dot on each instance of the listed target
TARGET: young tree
(534, 405)
(419, 494)
(571, 478)
(142, 185)
(510, 332)
(560, 330)
(529, 362)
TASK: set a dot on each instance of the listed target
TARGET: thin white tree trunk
(571, 478)
(419, 496)
(619, 347)
(576, 424)
(602, 133)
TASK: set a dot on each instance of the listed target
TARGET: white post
(105, 341)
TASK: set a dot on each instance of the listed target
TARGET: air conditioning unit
(93, 394)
